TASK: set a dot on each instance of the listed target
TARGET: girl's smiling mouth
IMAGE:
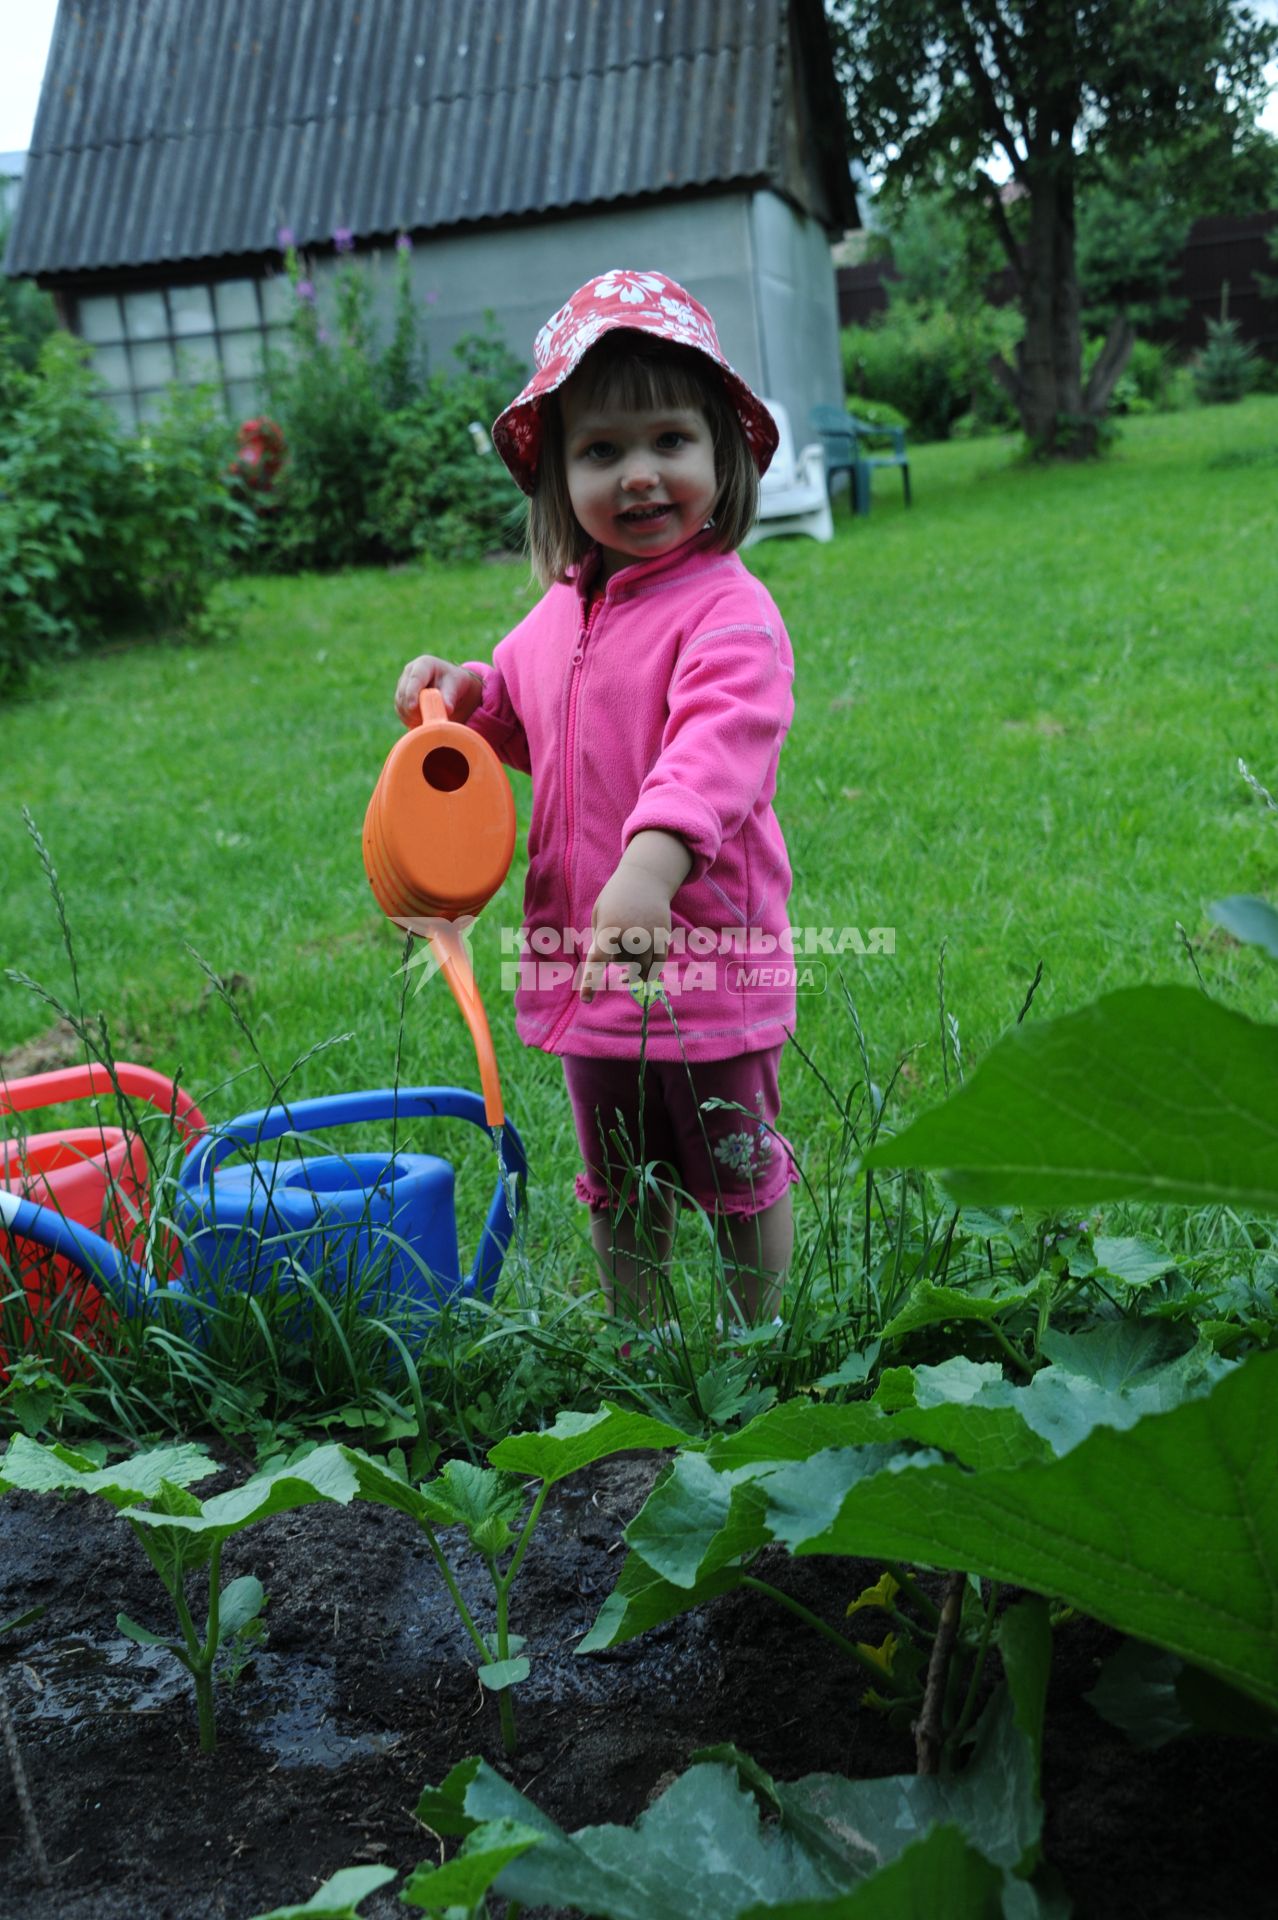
(644, 516)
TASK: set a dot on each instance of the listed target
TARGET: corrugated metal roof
(179, 129)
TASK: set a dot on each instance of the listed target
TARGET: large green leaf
(579, 1439)
(1168, 1531)
(961, 1408)
(463, 1881)
(338, 1898)
(933, 1306)
(324, 1475)
(1250, 920)
(705, 1851)
(939, 1878)
(1152, 1093)
(641, 1599)
(36, 1469)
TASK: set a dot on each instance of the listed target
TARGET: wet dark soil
(365, 1693)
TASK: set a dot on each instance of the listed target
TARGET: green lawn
(1019, 712)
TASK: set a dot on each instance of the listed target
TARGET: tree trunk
(1047, 383)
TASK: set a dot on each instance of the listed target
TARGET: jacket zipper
(570, 737)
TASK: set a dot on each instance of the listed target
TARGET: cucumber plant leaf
(1099, 1524)
(498, 1674)
(36, 1469)
(338, 1898)
(142, 1636)
(752, 1845)
(1133, 1262)
(642, 1599)
(1102, 1527)
(930, 1305)
(322, 1476)
(1150, 1093)
(240, 1603)
(462, 1882)
(1248, 919)
(579, 1439)
(1153, 1696)
(935, 1876)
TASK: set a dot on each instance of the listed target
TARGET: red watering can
(94, 1176)
(439, 835)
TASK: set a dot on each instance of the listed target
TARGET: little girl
(648, 693)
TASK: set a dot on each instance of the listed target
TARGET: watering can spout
(454, 962)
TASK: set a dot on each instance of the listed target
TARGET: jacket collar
(640, 573)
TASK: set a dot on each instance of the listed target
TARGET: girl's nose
(638, 476)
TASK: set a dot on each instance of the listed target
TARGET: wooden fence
(1219, 250)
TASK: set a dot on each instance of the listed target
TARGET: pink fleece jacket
(662, 703)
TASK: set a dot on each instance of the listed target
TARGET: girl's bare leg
(634, 1255)
(756, 1251)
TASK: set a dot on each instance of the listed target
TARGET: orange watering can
(439, 835)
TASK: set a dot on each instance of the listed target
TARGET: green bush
(27, 316)
(932, 364)
(444, 490)
(100, 530)
(381, 462)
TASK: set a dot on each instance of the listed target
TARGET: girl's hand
(636, 902)
(462, 689)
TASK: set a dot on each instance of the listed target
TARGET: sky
(24, 44)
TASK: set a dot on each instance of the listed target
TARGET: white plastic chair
(792, 494)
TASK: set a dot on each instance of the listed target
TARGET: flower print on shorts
(744, 1153)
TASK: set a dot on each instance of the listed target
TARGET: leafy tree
(26, 315)
(941, 254)
(938, 90)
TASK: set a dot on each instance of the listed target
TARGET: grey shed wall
(763, 269)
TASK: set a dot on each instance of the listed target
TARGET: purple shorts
(722, 1160)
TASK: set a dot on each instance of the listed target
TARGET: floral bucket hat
(645, 303)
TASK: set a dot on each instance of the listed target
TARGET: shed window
(146, 316)
(100, 318)
(192, 309)
(145, 338)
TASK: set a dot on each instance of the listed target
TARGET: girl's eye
(600, 450)
(669, 441)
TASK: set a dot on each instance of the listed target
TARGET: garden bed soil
(366, 1692)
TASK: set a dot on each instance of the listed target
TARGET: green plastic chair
(850, 447)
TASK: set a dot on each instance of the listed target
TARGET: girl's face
(640, 483)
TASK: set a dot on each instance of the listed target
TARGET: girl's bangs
(642, 381)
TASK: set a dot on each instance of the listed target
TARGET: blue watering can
(337, 1218)
(337, 1215)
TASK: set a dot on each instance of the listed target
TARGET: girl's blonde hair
(639, 373)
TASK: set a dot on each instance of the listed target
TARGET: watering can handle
(383, 1103)
(77, 1083)
(129, 1288)
(430, 704)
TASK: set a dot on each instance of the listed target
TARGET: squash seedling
(183, 1536)
(487, 1502)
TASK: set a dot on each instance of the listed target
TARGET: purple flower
(305, 289)
(323, 336)
(404, 244)
(431, 297)
(286, 239)
(343, 240)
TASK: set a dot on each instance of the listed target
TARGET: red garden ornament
(260, 453)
